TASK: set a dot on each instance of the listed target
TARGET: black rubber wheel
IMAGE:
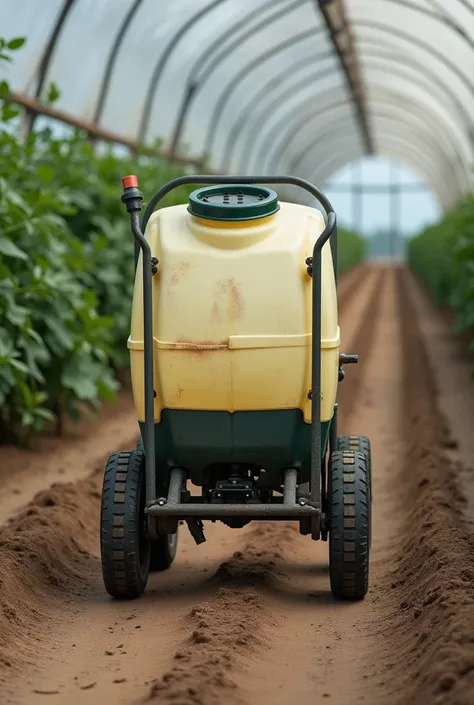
(349, 533)
(163, 552)
(362, 444)
(124, 540)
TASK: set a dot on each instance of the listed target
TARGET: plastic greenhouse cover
(413, 33)
(258, 81)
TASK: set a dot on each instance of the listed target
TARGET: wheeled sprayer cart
(235, 364)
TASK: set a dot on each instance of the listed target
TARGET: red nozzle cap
(130, 181)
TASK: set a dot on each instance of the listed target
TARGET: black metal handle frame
(329, 233)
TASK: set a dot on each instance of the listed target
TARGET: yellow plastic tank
(232, 306)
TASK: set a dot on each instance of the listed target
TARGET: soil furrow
(67, 459)
(350, 283)
(88, 632)
(267, 569)
(322, 650)
(248, 617)
(261, 566)
(361, 344)
(228, 629)
(430, 619)
(452, 366)
(45, 554)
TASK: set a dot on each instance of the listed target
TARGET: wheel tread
(124, 575)
(350, 524)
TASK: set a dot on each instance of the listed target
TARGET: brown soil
(248, 617)
(433, 577)
(23, 473)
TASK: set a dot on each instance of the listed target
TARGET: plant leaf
(8, 248)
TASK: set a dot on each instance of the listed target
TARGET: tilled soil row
(348, 392)
(48, 553)
(226, 629)
(45, 554)
(431, 628)
(350, 284)
(422, 614)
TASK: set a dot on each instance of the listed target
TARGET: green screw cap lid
(234, 202)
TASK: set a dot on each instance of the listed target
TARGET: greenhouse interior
(192, 192)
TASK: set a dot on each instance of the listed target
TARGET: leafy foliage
(351, 250)
(66, 268)
(443, 258)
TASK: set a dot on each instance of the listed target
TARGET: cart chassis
(289, 506)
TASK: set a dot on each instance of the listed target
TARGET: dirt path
(88, 632)
(321, 647)
(66, 459)
(452, 367)
(250, 611)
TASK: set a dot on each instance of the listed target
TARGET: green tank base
(203, 441)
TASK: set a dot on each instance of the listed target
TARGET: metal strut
(132, 197)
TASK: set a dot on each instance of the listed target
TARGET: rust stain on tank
(215, 313)
(178, 272)
(176, 396)
(236, 302)
(200, 346)
(230, 288)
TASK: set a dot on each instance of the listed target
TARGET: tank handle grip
(329, 232)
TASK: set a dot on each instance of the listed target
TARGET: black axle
(195, 509)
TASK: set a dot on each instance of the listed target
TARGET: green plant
(442, 256)
(351, 250)
(66, 269)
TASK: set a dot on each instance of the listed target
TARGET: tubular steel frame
(447, 20)
(468, 5)
(162, 62)
(152, 90)
(50, 46)
(445, 190)
(195, 82)
(420, 44)
(326, 138)
(242, 74)
(348, 57)
(254, 135)
(349, 66)
(330, 159)
(342, 140)
(433, 79)
(199, 64)
(426, 117)
(154, 505)
(269, 109)
(249, 121)
(110, 63)
(283, 129)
